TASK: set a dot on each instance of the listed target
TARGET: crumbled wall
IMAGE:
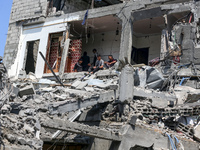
(74, 5)
(12, 42)
(21, 11)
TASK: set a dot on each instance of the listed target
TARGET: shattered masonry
(148, 100)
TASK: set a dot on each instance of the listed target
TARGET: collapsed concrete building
(131, 106)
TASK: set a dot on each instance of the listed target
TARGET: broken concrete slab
(140, 92)
(75, 84)
(28, 90)
(149, 77)
(89, 89)
(75, 104)
(82, 85)
(105, 85)
(106, 73)
(159, 102)
(79, 93)
(81, 129)
(186, 94)
(126, 84)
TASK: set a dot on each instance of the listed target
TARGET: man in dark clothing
(86, 61)
(111, 61)
(95, 56)
(78, 66)
(98, 65)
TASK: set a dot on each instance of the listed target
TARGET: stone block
(82, 85)
(89, 89)
(28, 90)
(76, 84)
(159, 102)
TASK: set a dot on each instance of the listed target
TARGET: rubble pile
(30, 101)
(36, 110)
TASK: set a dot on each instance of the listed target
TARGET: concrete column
(126, 84)
(64, 53)
(126, 35)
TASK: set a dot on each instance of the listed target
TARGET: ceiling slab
(149, 26)
(96, 25)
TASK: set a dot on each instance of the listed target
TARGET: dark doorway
(140, 56)
(31, 59)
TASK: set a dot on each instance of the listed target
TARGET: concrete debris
(22, 74)
(149, 77)
(81, 129)
(197, 133)
(82, 85)
(159, 103)
(36, 113)
(187, 94)
(126, 84)
(125, 103)
(94, 82)
(28, 90)
(89, 89)
(76, 83)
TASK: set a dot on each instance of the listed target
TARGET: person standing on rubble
(98, 65)
(111, 62)
(78, 66)
(86, 61)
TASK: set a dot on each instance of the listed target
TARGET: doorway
(140, 56)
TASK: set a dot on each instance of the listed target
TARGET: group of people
(98, 63)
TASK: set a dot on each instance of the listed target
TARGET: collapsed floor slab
(81, 129)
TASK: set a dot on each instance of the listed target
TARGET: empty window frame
(31, 56)
(54, 52)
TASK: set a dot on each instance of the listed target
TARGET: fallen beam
(81, 129)
(140, 92)
(51, 69)
(61, 107)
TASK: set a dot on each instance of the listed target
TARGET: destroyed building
(149, 100)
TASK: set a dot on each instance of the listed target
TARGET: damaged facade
(148, 100)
